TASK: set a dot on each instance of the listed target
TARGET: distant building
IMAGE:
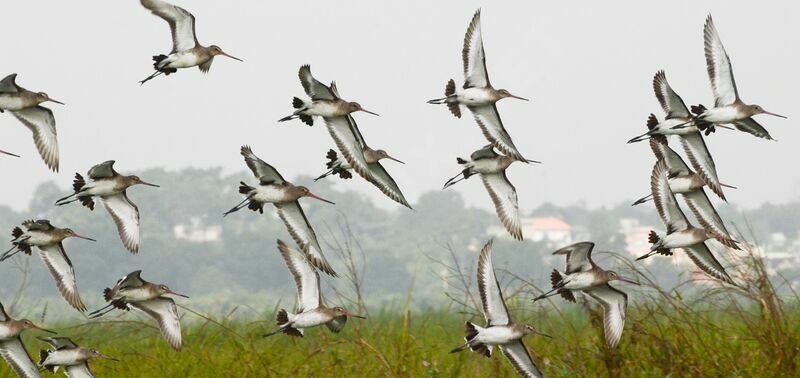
(196, 231)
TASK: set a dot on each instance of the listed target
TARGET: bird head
(43, 97)
(506, 94)
(340, 311)
(757, 109)
(215, 50)
(356, 107)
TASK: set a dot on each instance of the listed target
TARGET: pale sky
(587, 67)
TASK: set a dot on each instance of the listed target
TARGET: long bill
(77, 235)
(314, 196)
(367, 111)
(149, 184)
(174, 293)
(232, 57)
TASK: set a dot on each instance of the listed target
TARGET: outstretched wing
(180, 21)
(675, 164)
(667, 206)
(672, 104)
(475, 74)
(265, 173)
(60, 268)
(103, 170)
(504, 197)
(350, 143)
(705, 212)
(705, 260)
(701, 160)
(719, 66)
(313, 87)
(9, 84)
(126, 216)
(520, 359)
(579, 257)
(165, 312)
(494, 306)
(13, 351)
(300, 229)
(491, 125)
(750, 126)
(383, 181)
(614, 303)
(79, 371)
(305, 277)
(42, 123)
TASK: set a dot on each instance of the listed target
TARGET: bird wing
(337, 323)
(42, 123)
(504, 197)
(126, 216)
(306, 278)
(313, 87)
(79, 371)
(13, 351)
(579, 257)
(491, 125)
(705, 260)
(494, 306)
(60, 343)
(3, 314)
(520, 359)
(350, 143)
(675, 164)
(614, 303)
(264, 172)
(701, 160)
(300, 229)
(749, 125)
(38, 225)
(60, 267)
(705, 213)
(180, 21)
(475, 74)
(383, 181)
(672, 104)
(165, 312)
(719, 67)
(9, 84)
(103, 170)
(487, 152)
(669, 211)
(133, 279)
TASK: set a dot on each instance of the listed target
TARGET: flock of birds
(670, 176)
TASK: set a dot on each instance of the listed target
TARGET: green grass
(661, 338)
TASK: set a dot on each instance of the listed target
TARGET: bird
(49, 239)
(133, 292)
(681, 233)
(26, 107)
(186, 50)
(325, 101)
(273, 188)
(11, 347)
(338, 166)
(111, 188)
(583, 275)
(492, 166)
(478, 95)
(728, 107)
(69, 356)
(310, 309)
(500, 330)
(687, 183)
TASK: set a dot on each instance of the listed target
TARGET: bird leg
(643, 199)
(237, 207)
(151, 77)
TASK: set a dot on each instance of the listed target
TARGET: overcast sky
(588, 69)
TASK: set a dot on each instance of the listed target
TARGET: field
(745, 331)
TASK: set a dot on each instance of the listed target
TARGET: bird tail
(244, 188)
(698, 109)
(656, 248)
(43, 354)
(297, 103)
(449, 92)
(472, 331)
(78, 183)
(107, 294)
(283, 325)
(652, 121)
(16, 232)
(557, 281)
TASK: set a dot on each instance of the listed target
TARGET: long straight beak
(397, 160)
(149, 184)
(724, 127)
(776, 115)
(519, 98)
(312, 195)
(44, 329)
(630, 281)
(61, 103)
(82, 237)
(367, 111)
(180, 295)
(355, 315)
(108, 357)
(543, 334)
(232, 57)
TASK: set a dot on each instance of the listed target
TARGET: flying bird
(311, 310)
(26, 107)
(69, 356)
(111, 188)
(186, 50)
(492, 166)
(11, 348)
(583, 275)
(681, 233)
(500, 330)
(273, 188)
(728, 107)
(133, 292)
(687, 183)
(49, 239)
(478, 95)
(337, 165)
